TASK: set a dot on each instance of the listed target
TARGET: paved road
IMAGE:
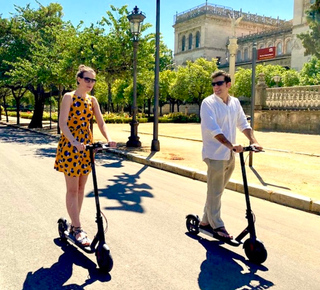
(147, 235)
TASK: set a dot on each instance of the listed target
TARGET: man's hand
(257, 146)
(237, 148)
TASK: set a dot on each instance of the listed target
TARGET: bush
(122, 118)
(179, 118)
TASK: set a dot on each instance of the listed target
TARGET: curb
(289, 199)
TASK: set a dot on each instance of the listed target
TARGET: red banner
(266, 53)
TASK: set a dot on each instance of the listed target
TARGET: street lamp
(135, 18)
(277, 79)
(155, 144)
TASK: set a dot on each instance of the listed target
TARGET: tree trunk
(39, 96)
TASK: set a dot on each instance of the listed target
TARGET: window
(246, 54)
(239, 55)
(289, 46)
(198, 39)
(183, 43)
(279, 48)
(190, 41)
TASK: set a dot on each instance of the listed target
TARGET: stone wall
(306, 122)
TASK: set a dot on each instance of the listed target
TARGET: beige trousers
(218, 175)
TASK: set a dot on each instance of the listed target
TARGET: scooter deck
(209, 232)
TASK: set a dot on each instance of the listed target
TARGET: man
(220, 114)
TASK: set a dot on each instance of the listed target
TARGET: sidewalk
(286, 173)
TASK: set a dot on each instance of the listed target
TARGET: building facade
(205, 31)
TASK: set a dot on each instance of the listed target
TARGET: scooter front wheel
(255, 251)
(104, 258)
(192, 224)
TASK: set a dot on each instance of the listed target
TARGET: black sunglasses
(88, 80)
(218, 83)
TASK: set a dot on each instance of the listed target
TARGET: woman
(77, 109)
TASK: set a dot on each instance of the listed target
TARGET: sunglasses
(218, 83)
(88, 80)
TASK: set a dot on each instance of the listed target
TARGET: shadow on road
(58, 274)
(255, 172)
(225, 269)
(126, 190)
(17, 135)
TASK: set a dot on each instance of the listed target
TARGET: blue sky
(92, 11)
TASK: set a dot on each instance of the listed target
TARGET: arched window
(279, 48)
(239, 55)
(183, 43)
(289, 45)
(246, 54)
(198, 39)
(261, 46)
(190, 41)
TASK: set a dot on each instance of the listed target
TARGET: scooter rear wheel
(62, 227)
(192, 224)
(104, 258)
(255, 251)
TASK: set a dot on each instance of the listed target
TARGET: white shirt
(220, 118)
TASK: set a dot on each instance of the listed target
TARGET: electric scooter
(98, 245)
(254, 248)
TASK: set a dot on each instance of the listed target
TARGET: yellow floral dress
(68, 159)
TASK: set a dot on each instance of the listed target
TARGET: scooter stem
(99, 221)
(249, 216)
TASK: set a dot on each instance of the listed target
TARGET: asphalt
(287, 172)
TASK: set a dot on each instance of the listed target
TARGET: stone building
(206, 30)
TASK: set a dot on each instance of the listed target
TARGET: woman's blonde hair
(82, 69)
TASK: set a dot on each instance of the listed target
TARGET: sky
(92, 11)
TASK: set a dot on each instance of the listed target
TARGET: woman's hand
(80, 146)
(112, 144)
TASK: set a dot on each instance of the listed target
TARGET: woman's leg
(82, 184)
(74, 199)
(72, 184)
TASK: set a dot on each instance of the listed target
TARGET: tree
(311, 39)
(243, 83)
(12, 46)
(193, 81)
(166, 81)
(35, 70)
(310, 73)
(243, 78)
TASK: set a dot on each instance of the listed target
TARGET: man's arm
(223, 140)
(253, 141)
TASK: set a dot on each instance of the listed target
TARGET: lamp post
(277, 79)
(253, 92)
(135, 18)
(155, 144)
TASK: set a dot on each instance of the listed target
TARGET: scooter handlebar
(251, 148)
(97, 146)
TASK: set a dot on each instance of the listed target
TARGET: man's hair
(219, 73)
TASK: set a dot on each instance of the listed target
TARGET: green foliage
(113, 118)
(310, 73)
(243, 78)
(242, 86)
(290, 78)
(192, 83)
(179, 118)
(311, 39)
